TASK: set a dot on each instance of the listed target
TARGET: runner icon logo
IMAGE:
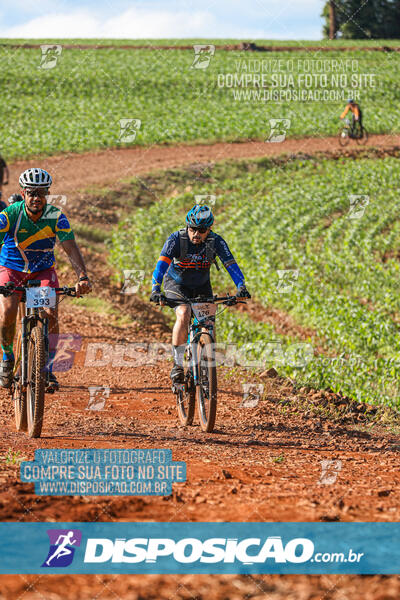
(202, 55)
(62, 547)
(278, 131)
(358, 203)
(287, 279)
(128, 129)
(50, 55)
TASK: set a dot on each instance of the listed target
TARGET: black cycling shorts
(176, 291)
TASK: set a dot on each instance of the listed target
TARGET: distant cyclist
(28, 231)
(15, 198)
(356, 114)
(185, 261)
(4, 175)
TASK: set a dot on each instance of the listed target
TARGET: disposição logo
(62, 547)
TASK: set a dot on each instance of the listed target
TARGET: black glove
(156, 296)
(242, 292)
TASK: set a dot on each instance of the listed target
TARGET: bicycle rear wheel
(344, 136)
(36, 382)
(185, 395)
(18, 395)
(206, 391)
(363, 137)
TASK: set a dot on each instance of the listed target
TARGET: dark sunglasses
(199, 229)
(38, 192)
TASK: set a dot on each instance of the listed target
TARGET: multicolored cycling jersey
(29, 246)
(194, 269)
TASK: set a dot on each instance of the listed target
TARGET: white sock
(179, 352)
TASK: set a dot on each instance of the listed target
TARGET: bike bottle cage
(210, 247)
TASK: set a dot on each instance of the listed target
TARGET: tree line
(354, 19)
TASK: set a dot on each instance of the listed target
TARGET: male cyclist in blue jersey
(185, 261)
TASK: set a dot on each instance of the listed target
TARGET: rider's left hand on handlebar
(83, 287)
(243, 292)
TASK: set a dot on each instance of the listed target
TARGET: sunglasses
(199, 229)
(42, 193)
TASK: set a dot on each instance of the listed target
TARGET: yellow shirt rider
(355, 111)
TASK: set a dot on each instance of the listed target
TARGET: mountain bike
(347, 132)
(200, 372)
(30, 376)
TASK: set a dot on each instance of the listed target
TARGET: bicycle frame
(200, 375)
(31, 317)
(196, 330)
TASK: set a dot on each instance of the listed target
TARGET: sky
(135, 19)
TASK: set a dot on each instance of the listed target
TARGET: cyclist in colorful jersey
(28, 231)
(184, 265)
(356, 114)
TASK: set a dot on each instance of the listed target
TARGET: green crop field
(332, 223)
(78, 104)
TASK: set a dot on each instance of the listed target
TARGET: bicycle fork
(24, 350)
(27, 324)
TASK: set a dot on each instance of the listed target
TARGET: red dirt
(103, 168)
(261, 464)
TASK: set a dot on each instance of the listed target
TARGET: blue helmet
(350, 101)
(200, 216)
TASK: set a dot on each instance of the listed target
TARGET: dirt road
(104, 168)
(261, 464)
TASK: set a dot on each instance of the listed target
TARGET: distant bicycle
(30, 377)
(347, 133)
(200, 372)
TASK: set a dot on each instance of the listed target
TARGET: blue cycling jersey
(193, 270)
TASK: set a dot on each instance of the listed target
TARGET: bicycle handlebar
(10, 288)
(229, 300)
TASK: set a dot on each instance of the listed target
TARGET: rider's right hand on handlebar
(243, 292)
(8, 288)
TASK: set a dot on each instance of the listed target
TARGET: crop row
(79, 102)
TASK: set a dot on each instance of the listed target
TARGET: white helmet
(35, 178)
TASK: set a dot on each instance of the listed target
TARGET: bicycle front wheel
(185, 395)
(36, 382)
(344, 136)
(206, 390)
(18, 395)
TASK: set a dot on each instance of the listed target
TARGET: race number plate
(40, 297)
(203, 311)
